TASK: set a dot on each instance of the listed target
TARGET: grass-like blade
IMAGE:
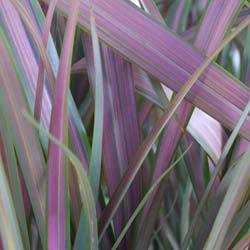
(225, 151)
(160, 61)
(58, 217)
(147, 145)
(144, 200)
(96, 153)
(10, 232)
(85, 189)
(235, 195)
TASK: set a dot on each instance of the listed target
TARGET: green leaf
(10, 232)
(89, 208)
(96, 153)
(231, 203)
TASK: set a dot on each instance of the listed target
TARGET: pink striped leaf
(125, 28)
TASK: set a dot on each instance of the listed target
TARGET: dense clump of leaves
(124, 124)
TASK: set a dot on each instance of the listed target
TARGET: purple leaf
(150, 140)
(131, 28)
(56, 161)
(208, 133)
(212, 30)
(24, 137)
(41, 72)
(121, 137)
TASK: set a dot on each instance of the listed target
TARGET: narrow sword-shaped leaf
(225, 151)
(41, 72)
(87, 198)
(245, 77)
(243, 243)
(185, 110)
(194, 161)
(208, 133)
(225, 14)
(57, 185)
(11, 20)
(178, 14)
(144, 87)
(121, 137)
(30, 68)
(23, 46)
(96, 153)
(77, 130)
(171, 137)
(10, 233)
(208, 94)
(210, 30)
(207, 41)
(211, 211)
(11, 168)
(242, 217)
(231, 203)
(214, 137)
(143, 113)
(147, 145)
(19, 7)
(22, 50)
(144, 200)
(245, 74)
(190, 32)
(24, 137)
